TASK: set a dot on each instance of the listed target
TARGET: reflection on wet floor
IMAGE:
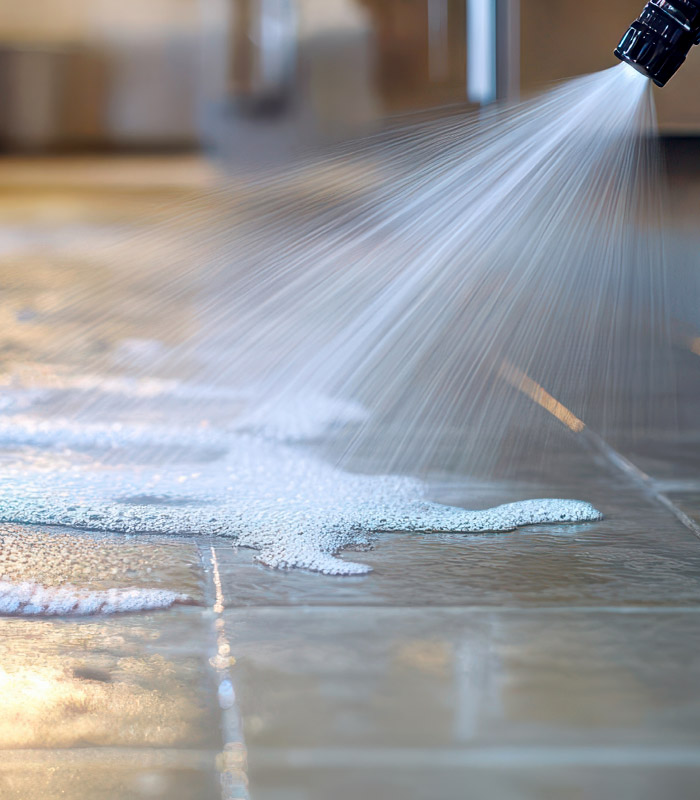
(104, 683)
(553, 662)
(54, 557)
(116, 774)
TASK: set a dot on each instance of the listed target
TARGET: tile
(420, 678)
(688, 502)
(93, 561)
(51, 775)
(638, 555)
(668, 457)
(131, 681)
(502, 783)
(462, 667)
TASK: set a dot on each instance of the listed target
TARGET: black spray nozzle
(657, 43)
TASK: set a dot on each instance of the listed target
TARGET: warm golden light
(694, 345)
(523, 383)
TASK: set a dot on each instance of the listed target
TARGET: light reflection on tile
(103, 775)
(130, 681)
(393, 678)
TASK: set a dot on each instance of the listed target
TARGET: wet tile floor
(557, 662)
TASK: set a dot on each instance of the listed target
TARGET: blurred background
(179, 75)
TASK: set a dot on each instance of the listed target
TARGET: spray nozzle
(657, 43)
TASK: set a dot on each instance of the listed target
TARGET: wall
(97, 71)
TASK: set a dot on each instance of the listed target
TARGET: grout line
(232, 763)
(523, 383)
(639, 478)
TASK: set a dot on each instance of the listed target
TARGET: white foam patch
(262, 491)
(32, 599)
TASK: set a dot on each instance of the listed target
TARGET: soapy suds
(32, 599)
(266, 493)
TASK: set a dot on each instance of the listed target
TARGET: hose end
(658, 42)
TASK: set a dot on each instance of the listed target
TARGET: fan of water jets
(442, 267)
(426, 296)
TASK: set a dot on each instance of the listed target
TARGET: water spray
(444, 301)
(657, 43)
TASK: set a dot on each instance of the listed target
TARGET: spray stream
(439, 296)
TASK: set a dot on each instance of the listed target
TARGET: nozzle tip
(657, 43)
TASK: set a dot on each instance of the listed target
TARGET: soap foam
(32, 599)
(262, 489)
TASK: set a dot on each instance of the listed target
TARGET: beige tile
(131, 681)
(107, 775)
(421, 678)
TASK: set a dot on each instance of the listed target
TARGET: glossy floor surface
(550, 662)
